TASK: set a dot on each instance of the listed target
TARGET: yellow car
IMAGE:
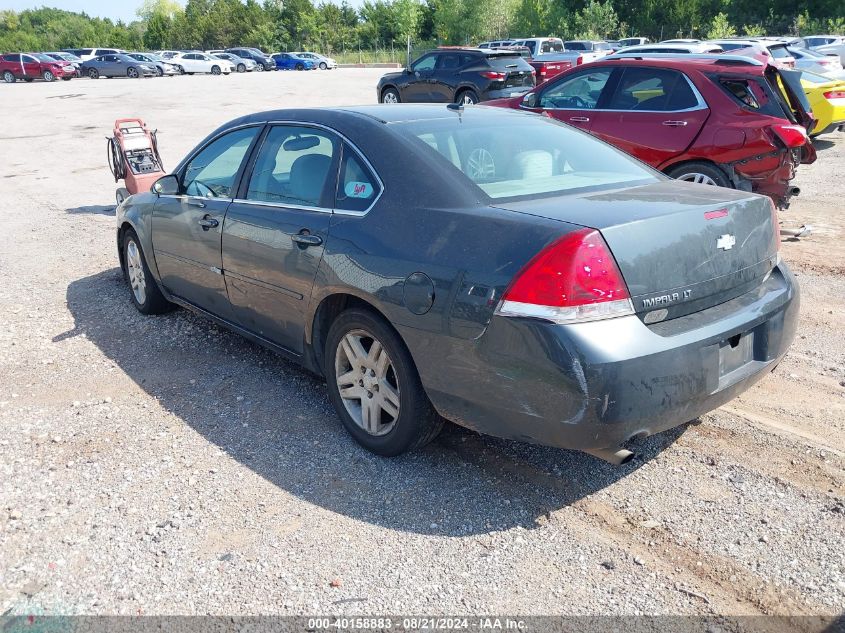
(827, 98)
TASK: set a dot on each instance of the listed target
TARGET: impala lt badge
(726, 242)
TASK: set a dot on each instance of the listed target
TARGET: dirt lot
(162, 465)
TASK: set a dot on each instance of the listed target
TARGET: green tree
(597, 21)
(720, 28)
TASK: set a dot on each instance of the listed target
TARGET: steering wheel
(577, 102)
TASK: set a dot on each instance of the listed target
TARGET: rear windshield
(551, 46)
(525, 157)
(813, 78)
(509, 63)
(779, 52)
(578, 46)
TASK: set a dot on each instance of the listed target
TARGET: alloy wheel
(390, 97)
(367, 382)
(132, 73)
(480, 165)
(93, 74)
(323, 66)
(701, 179)
(135, 271)
(215, 70)
(468, 99)
(48, 76)
(8, 77)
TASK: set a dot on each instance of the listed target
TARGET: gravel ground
(165, 466)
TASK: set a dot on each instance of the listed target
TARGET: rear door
(275, 231)
(448, 74)
(573, 98)
(654, 114)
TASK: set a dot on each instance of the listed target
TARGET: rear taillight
(793, 136)
(580, 60)
(489, 74)
(834, 94)
(573, 279)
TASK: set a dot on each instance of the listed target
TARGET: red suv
(30, 66)
(731, 122)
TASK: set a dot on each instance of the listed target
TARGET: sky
(114, 9)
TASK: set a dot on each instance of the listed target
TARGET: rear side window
(12, 58)
(740, 90)
(357, 187)
(754, 94)
(653, 90)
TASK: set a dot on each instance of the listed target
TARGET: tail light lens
(489, 74)
(793, 136)
(834, 94)
(580, 60)
(573, 279)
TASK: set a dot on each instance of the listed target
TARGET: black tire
(299, 67)
(181, 70)
(29, 80)
(9, 77)
(48, 76)
(417, 423)
(388, 93)
(93, 73)
(690, 172)
(159, 71)
(323, 66)
(467, 97)
(215, 70)
(241, 68)
(154, 301)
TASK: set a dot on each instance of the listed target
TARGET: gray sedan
(118, 65)
(493, 268)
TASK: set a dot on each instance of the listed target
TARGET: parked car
(583, 318)
(262, 60)
(168, 54)
(68, 57)
(496, 44)
(671, 49)
(198, 62)
(541, 45)
(633, 41)
(828, 45)
(591, 50)
(827, 99)
(815, 62)
(552, 64)
(732, 122)
(117, 65)
(31, 66)
(86, 54)
(289, 61)
(322, 62)
(241, 65)
(681, 41)
(460, 75)
(163, 67)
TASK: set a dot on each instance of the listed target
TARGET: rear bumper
(596, 385)
(833, 127)
(507, 93)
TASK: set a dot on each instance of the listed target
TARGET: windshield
(42, 57)
(525, 156)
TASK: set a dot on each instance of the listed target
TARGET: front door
(653, 114)
(419, 83)
(274, 232)
(187, 227)
(573, 98)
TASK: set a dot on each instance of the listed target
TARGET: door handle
(674, 123)
(307, 239)
(195, 203)
(579, 119)
(208, 222)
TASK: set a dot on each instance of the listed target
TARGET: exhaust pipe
(794, 191)
(617, 458)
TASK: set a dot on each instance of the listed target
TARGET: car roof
(724, 63)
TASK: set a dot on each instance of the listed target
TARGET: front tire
(48, 76)
(391, 95)
(260, 68)
(701, 173)
(323, 66)
(93, 73)
(132, 72)
(215, 70)
(159, 71)
(9, 77)
(299, 67)
(241, 68)
(143, 287)
(374, 386)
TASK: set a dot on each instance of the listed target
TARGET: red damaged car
(730, 121)
(31, 66)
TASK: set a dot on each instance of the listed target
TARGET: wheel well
(328, 310)
(120, 233)
(386, 88)
(667, 168)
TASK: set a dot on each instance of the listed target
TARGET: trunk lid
(680, 247)
(518, 73)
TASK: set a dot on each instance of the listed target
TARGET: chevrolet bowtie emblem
(726, 242)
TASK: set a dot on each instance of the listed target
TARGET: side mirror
(409, 71)
(530, 100)
(166, 186)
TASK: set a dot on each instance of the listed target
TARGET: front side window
(212, 172)
(524, 157)
(293, 167)
(426, 63)
(652, 90)
(357, 187)
(580, 92)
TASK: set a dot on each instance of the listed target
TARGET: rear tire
(467, 97)
(9, 77)
(408, 420)
(143, 288)
(390, 95)
(48, 76)
(700, 172)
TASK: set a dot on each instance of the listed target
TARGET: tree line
(387, 25)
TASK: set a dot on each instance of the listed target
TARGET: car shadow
(92, 209)
(823, 144)
(275, 418)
